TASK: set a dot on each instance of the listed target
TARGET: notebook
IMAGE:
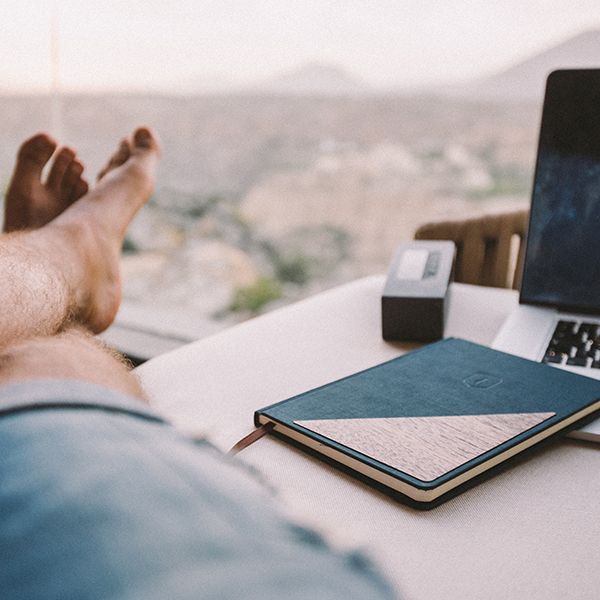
(429, 423)
(558, 317)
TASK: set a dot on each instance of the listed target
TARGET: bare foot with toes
(98, 221)
(88, 226)
(30, 202)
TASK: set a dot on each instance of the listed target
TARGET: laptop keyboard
(576, 344)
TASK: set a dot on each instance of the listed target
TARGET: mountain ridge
(525, 81)
(315, 78)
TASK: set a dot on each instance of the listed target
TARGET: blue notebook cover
(429, 422)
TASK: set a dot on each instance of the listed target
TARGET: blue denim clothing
(100, 498)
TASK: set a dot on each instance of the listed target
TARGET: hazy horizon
(219, 46)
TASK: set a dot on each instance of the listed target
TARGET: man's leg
(72, 354)
(68, 270)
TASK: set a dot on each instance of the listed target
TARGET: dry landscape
(265, 199)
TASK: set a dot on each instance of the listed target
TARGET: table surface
(532, 531)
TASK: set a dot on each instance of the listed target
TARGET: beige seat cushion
(531, 532)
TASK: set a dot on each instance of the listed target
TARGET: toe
(59, 168)
(33, 154)
(144, 139)
(120, 156)
(71, 177)
(80, 189)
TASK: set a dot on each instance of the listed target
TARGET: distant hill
(525, 81)
(314, 79)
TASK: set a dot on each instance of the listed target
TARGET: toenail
(41, 143)
(35, 146)
(142, 136)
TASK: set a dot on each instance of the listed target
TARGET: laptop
(558, 318)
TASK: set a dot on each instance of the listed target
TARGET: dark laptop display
(562, 264)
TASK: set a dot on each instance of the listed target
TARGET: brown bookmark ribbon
(251, 438)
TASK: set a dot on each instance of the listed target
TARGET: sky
(190, 45)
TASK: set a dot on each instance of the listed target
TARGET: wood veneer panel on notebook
(425, 447)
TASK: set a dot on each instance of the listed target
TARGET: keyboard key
(561, 347)
(554, 357)
(589, 328)
(577, 362)
(595, 364)
(565, 327)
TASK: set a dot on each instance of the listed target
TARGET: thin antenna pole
(56, 122)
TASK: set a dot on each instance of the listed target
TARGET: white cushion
(529, 532)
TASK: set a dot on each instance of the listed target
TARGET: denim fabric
(100, 498)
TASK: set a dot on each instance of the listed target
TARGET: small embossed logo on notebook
(482, 381)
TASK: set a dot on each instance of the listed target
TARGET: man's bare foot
(30, 202)
(96, 225)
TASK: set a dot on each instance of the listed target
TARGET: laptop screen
(562, 263)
